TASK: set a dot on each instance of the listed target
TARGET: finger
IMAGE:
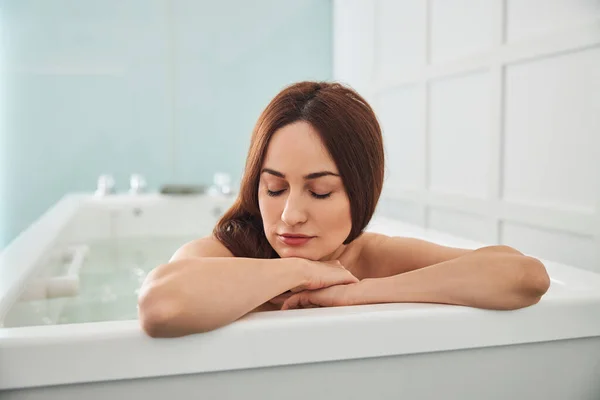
(291, 303)
(281, 298)
(277, 301)
(299, 300)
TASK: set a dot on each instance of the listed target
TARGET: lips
(294, 239)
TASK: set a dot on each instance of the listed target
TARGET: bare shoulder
(382, 255)
(204, 247)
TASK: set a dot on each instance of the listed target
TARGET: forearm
(198, 295)
(483, 279)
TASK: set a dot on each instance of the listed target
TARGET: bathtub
(68, 289)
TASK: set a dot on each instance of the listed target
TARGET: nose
(294, 212)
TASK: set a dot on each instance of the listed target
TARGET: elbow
(165, 321)
(158, 304)
(165, 312)
(530, 285)
(535, 280)
(156, 312)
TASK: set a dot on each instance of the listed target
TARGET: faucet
(221, 184)
(105, 185)
(137, 184)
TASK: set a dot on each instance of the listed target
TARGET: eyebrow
(313, 175)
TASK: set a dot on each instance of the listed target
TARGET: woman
(294, 237)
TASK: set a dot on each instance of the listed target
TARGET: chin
(297, 252)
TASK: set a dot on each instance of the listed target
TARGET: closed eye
(313, 194)
(320, 196)
(274, 194)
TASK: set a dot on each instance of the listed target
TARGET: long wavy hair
(351, 133)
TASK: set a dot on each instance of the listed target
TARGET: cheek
(268, 207)
(337, 216)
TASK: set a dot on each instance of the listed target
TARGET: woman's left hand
(333, 296)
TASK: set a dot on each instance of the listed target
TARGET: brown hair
(351, 133)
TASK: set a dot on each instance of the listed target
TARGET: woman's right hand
(322, 274)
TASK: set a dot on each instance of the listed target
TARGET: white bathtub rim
(80, 353)
(44, 233)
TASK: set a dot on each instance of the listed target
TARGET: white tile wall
(530, 18)
(490, 111)
(408, 211)
(460, 28)
(354, 37)
(459, 134)
(400, 41)
(458, 223)
(402, 117)
(564, 247)
(552, 118)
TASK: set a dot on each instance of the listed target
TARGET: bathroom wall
(170, 89)
(491, 116)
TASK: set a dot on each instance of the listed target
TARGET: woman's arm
(199, 289)
(201, 294)
(494, 277)
(204, 287)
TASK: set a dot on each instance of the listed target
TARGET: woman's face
(303, 202)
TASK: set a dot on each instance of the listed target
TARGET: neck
(335, 255)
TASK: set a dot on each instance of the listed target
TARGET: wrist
(364, 292)
(371, 291)
(297, 270)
